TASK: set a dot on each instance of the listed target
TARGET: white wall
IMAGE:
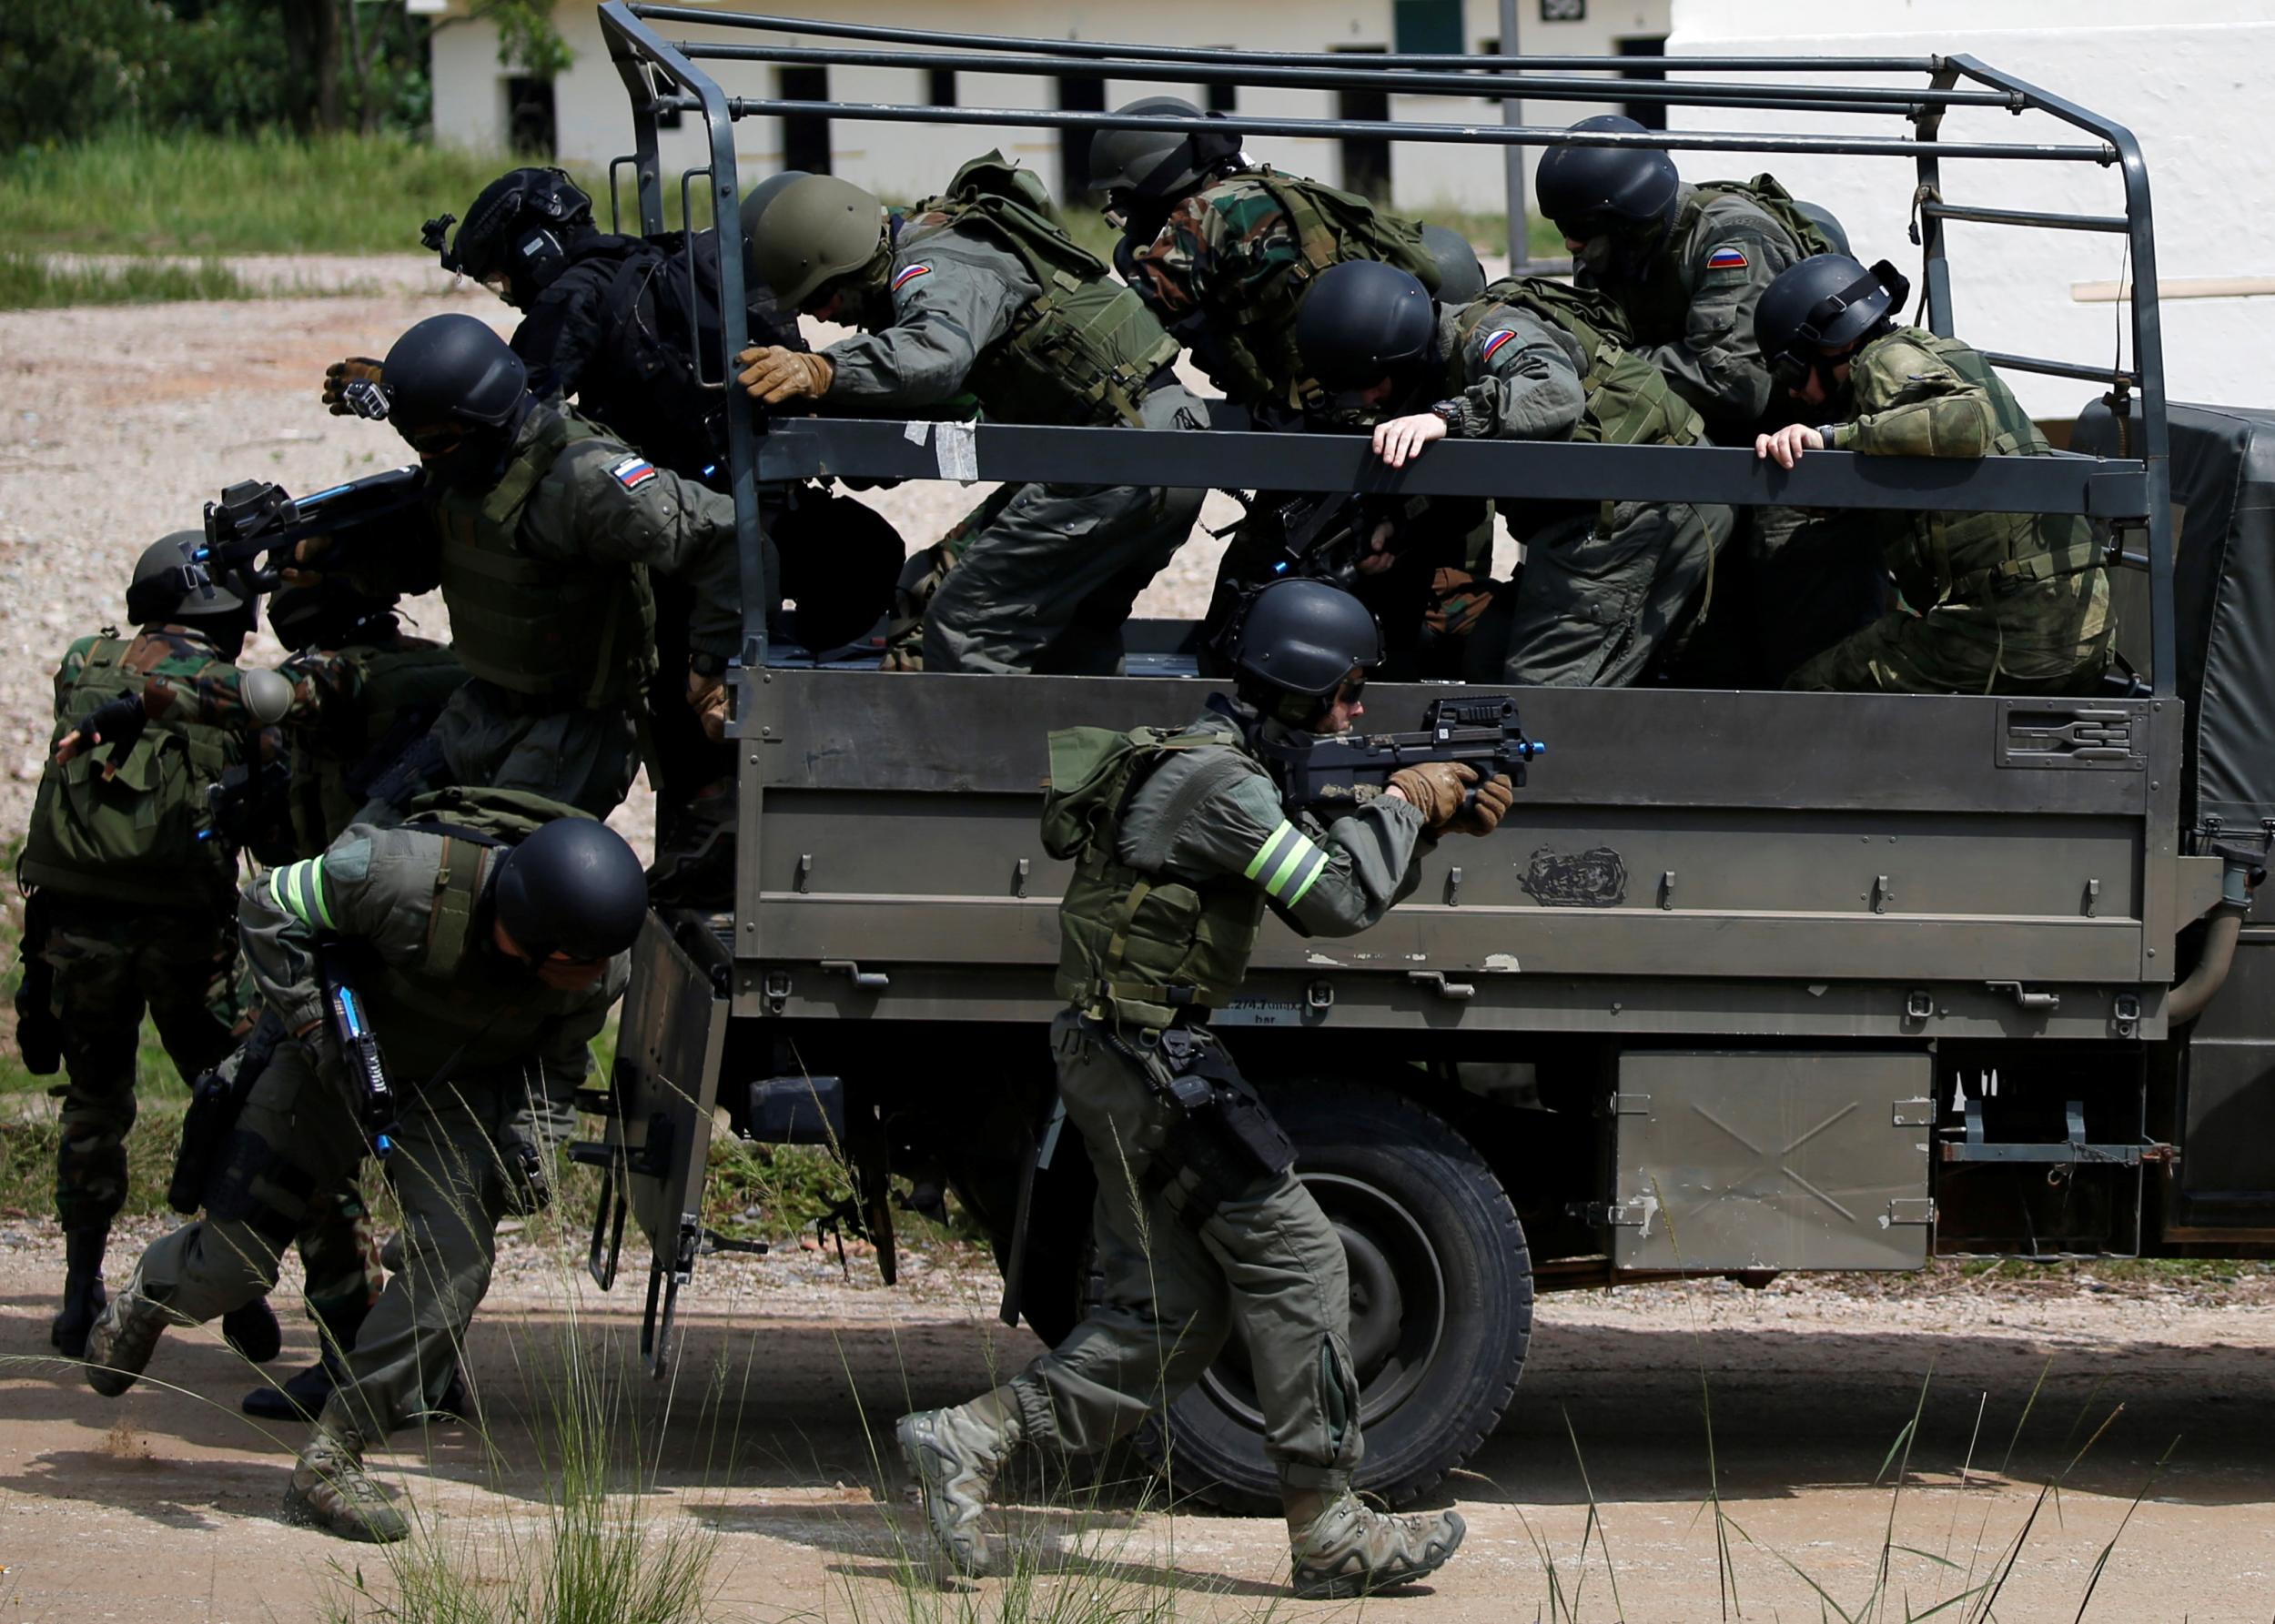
(908, 160)
(2192, 86)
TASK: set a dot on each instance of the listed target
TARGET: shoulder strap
(457, 886)
(1207, 779)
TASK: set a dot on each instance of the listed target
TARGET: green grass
(35, 282)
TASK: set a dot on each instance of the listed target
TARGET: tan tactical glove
(1482, 815)
(774, 374)
(1436, 789)
(356, 369)
(707, 697)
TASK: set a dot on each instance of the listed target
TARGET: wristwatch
(1452, 413)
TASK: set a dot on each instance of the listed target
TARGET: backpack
(1326, 220)
(1629, 401)
(1811, 224)
(473, 820)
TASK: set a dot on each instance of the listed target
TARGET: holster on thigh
(1221, 1138)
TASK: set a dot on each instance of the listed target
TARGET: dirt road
(162, 1506)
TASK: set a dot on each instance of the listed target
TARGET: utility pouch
(217, 1097)
(38, 1035)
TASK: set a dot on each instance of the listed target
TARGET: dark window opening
(530, 130)
(1078, 92)
(1427, 27)
(940, 86)
(1652, 116)
(804, 135)
(1223, 98)
(1366, 159)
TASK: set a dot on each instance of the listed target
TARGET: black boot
(300, 1397)
(83, 1293)
(253, 1331)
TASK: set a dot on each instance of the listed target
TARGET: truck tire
(1441, 1304)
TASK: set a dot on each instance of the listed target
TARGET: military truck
(1747, 982)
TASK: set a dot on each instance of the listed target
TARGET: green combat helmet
(815, 228)
(755, 204)
(1158, 164)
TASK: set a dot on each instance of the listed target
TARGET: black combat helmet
(573, 888)
(170, 583)
(1461, 278)
(451, 371)
(1825, 304)
(1364, 321)
(1296, 642)
(329, 613)
(1599, 191)
(517, 234)
(1152, 164)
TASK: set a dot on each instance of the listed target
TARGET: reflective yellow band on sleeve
(1299, 851)
(1310, 876)
(299, 890)
(1274, 842)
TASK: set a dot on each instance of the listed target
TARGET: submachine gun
(368, 1077)
(252, 531)
(1336, 773)
(1322, 538)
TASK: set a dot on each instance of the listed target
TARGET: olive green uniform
(1041, 576)
(472, 1040)
(1995, 602)
(1158, 924)
(1604, 585)
(544, 575)
(134, 900)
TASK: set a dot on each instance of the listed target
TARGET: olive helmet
(1460, 276)
(815, 228)
(1156, 163)
(1596, 191)
(573, 888)
(1363, 321)
(755, 202)
(1824, 305)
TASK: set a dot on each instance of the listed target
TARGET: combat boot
(1340, 1549)
(302, 1395)
(331, 1490)
(253, 1331)
(955, 1455)
(124, 1336)
(83, 1294)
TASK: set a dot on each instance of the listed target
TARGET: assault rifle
(1338, 773)
(359, 1048)
(251, 533)
(1322, 538)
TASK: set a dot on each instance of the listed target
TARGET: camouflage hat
(816, 227)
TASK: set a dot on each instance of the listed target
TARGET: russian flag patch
(1726, 259)
(909, 275)
(633, 472)
(1494, 340)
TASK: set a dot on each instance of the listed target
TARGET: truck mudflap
(657, 1110)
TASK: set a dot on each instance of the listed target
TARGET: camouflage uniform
(1998, 603)
(471, 1038)
(346, 703)
(1604, 585)
(1187, 1255)
(117, 942)
(1040, 577)
(544, 575)
(1691, 304)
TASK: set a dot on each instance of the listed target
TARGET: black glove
(118, 722)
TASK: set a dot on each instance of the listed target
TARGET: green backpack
(1811, 227)
(1332, 226)
(487, 816)
(1084, 348)
(1629, 402)
(138, 833)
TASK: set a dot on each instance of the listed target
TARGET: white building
(2189, 78)
(479, 104)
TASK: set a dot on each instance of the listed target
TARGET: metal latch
(1435, 980)
(868, 981)
(1631, 1104)
(777, 990)
(1911, 1209)
(2125, 1015)
(1914, 1113)
(2044, 1004)
(1920, 1005)
(1627, 1215)
(1320, 995)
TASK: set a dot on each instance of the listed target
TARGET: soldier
(544, 530)
(1604, 585)
(485, 968)
(362, 693)
(1994, 602)
(131, 902)
(1181, 843)
(979, 293)
(1686, 265)
(1225, 251)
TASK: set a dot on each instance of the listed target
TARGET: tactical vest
(1085, 350)
(142, 836)
(1944, 556)
(332, 765)
(561, 633)
(1629, 401)
(429, 993)
(1330, 226)
(1135, 941)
